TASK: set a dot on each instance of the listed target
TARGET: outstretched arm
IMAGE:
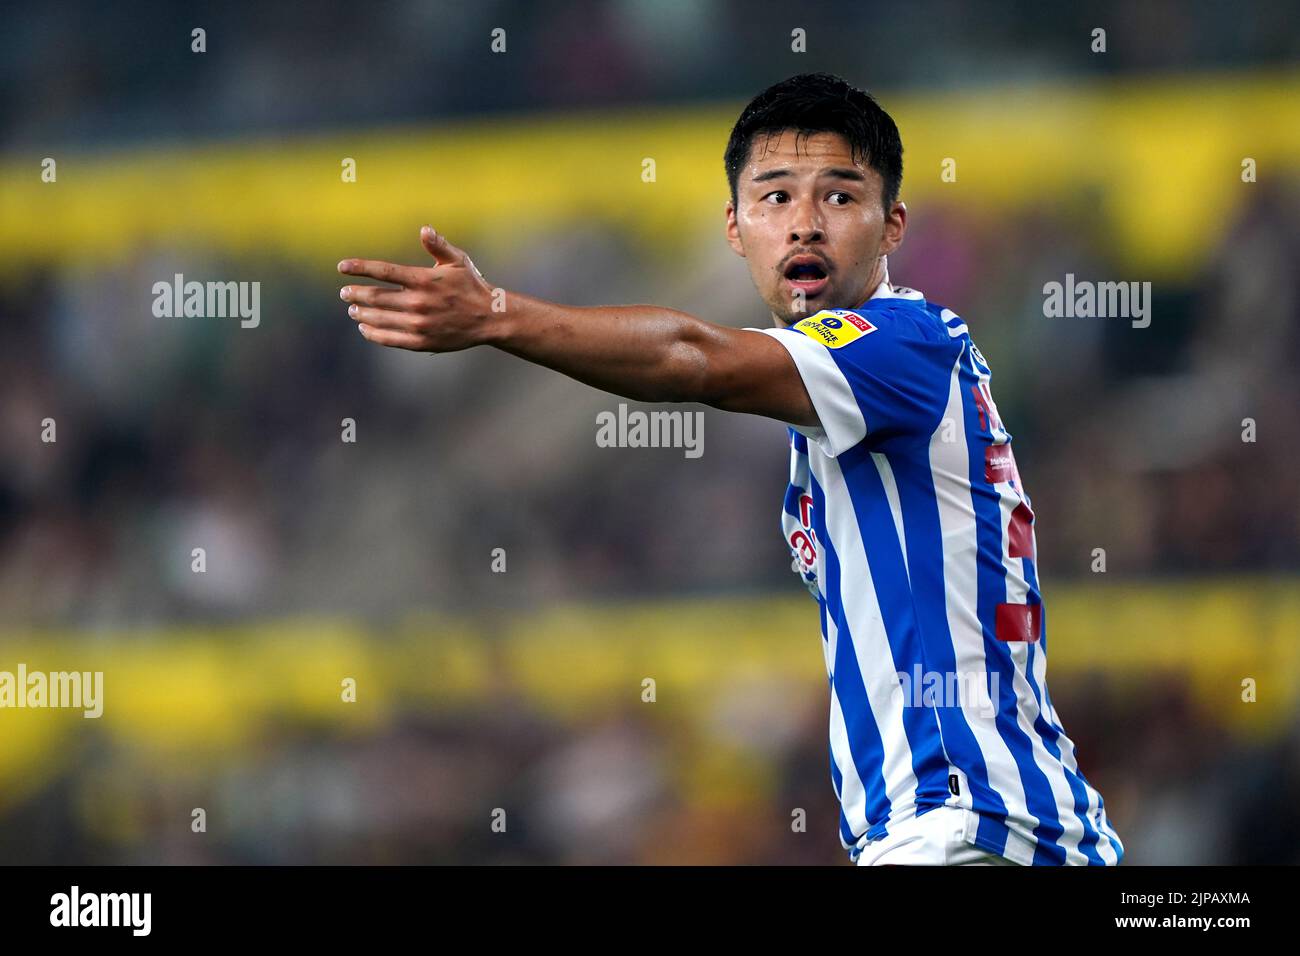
(641, 352)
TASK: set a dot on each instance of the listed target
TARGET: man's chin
(812, 305)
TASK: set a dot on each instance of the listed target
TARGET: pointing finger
(384, 271)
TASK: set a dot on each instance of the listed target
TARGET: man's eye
(847, 198)
(779, 192)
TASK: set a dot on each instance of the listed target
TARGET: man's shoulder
(894, 317)
(902, 317)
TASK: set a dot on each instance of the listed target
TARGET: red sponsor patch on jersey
(859, 321)
(1020, 532)
(999, 464)
(1018, 622)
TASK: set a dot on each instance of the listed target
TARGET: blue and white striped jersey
(909, 523)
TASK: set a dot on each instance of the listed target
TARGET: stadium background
(522, 690)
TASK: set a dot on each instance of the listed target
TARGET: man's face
(811, 225)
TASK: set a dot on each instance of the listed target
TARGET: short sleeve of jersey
(881, 372)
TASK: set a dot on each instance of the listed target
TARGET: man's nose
(806, 226)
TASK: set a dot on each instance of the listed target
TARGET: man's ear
(733, 230)
(895, 228)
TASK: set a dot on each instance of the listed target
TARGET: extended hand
(442, 308)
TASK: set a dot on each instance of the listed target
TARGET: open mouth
(807, 273)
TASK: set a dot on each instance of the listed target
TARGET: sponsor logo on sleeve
(834, 328)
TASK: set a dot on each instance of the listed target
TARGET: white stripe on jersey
(960, 573)
(853, 796)
(842, 425)
(871, 647)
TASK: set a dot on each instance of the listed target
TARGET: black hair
(820, 103)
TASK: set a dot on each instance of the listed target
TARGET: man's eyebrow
(834, 172)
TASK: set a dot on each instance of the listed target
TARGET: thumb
(443, 252)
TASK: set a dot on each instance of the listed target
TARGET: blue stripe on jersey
(866, 749)
(992, 591)
(899, 614)
(921, 527)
